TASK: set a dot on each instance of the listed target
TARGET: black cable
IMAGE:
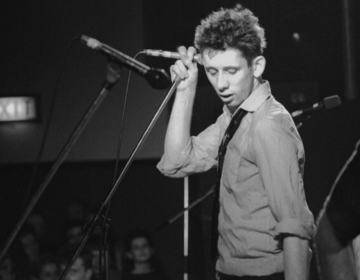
(47, 124)
(105, 219)
(122, 124)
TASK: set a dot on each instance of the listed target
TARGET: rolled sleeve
(296, 227)
(280, 157)
(173, 169)
(199, 155)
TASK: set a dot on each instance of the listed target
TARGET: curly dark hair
(231, 28)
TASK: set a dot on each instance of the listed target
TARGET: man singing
(262, 224)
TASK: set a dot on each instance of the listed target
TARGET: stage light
(18, 108)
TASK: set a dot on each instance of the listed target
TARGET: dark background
(40, 57)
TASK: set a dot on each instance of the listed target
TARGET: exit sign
(18, 108)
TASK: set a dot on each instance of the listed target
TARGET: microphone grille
(332, 101)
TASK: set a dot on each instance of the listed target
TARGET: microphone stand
(182, 212)
(120, 178)
(111, 78)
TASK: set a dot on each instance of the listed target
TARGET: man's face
(140, 250)
(78, 271)
(229, 74)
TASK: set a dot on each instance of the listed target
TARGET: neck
(142, 268)
(257, 83)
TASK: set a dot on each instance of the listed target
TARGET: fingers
(179, 69)
(187, 56)
(191, 52)
(185, 67)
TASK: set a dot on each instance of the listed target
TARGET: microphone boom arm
(157, 78)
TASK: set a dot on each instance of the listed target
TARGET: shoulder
(272, 115)
(273, 110)
(273, 121)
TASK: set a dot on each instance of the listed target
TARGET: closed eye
(232, 70)
(211, 71)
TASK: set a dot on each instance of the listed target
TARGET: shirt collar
(255, 99)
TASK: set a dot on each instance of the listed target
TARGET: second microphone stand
(98, 216)
(111, 79)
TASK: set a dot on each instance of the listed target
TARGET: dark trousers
(276, 276)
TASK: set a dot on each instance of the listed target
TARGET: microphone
(168, 54)
(157, 78)
(327, 103)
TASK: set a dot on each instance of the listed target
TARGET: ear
(258, 66)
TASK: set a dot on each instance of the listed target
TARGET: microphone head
(90, 42)
(158, 78)
(331, 101)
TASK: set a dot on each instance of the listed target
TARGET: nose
(222, 82)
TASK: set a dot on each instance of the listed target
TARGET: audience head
(15, 264)
(82, 266)
(38, 223)
(49, 268)
(76, 210)
(73, 232)
(28, 239)
(139, 246)
(7, 271)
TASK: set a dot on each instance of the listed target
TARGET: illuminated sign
(19, 108)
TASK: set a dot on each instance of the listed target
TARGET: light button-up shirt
(261, 193)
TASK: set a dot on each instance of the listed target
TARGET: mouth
(225, 97)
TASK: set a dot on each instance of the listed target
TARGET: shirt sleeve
(280, 158)
(199, 155)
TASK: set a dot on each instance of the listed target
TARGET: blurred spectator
(73, 233)
(15, 263)
(141, 262)
(37, 221)
(118, 256)
(49, 268)
(7, 271)
(82, 266)
(47, 242)
(76, 210)
(28, 239)
(94, 245)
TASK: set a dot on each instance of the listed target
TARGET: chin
(232, 107)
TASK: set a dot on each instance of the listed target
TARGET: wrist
(189, 89)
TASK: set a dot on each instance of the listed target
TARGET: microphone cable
(48, 123)
(120, 139)
(122, 123)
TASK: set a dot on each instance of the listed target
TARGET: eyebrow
(231, 67)
(225, 68)
(210, 68)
